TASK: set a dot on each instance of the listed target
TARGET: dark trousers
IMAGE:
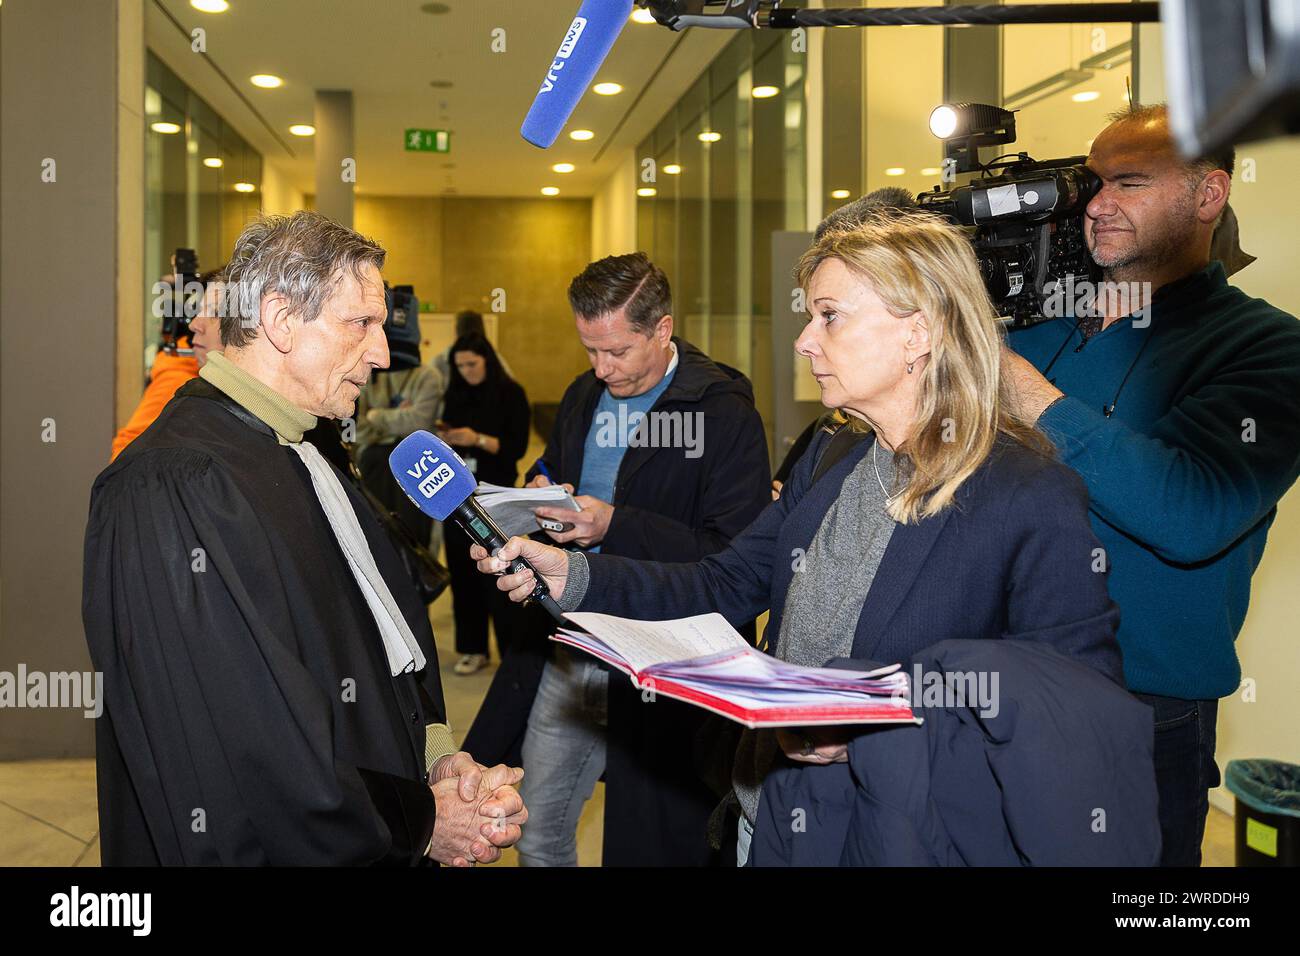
(474, 597)
(1185, 772)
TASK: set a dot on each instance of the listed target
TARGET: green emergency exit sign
(428, 141)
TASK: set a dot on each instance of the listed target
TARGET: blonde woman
(933, 513)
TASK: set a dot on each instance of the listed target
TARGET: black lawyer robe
(251, 717)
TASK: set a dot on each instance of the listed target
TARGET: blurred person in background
(485, 418)
(177, 363)
(397, 401)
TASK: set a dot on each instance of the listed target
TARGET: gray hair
(301, 257)
(890, 199)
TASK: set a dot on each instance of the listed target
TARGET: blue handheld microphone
(439, 483)
(584, 48)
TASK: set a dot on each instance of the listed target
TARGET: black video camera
(1026, 217)
(182, 301)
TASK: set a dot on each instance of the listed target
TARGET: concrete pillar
(72, 302)
(335, 155)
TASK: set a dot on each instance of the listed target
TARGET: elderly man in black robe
(270, 675)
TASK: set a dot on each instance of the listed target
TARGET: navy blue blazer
(1013, 558)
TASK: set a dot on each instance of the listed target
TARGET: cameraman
(1178, 402)
(177, 361)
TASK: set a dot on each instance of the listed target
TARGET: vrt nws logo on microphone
(438, 473)
(566, 48)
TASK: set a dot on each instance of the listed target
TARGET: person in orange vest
(176, 363)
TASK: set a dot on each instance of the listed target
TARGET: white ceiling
(388, 51)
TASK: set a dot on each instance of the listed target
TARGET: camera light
(943, 121)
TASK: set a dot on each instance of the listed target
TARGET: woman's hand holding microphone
(551, 563)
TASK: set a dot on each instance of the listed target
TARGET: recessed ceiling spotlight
(895, 171)
(709, 136)
(607, 89)
(244, 187)
(672, 169)
(302, 129)
(642, 15)
(840, 194)
(581, 135)
(213, 162)
(1085, 96)
(763, 92)
(563, 168)
(646, 192)
(550, 190)
(163, 127)
(931, 171)
(210, 6)
(267, 81)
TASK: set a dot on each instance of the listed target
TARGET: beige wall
(613, 210)
(280, 197)
(457, 251)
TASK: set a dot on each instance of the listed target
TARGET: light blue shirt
(613, 423)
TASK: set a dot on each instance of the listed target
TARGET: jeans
(564, 756)
(1185, 772)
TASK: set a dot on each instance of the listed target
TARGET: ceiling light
(646, 192)
(267, 81)
(931, 171)
(642, 15)
(550, 190)
(213, 162)
(581, 135)
(302, 129)
(895, 171)
(244, 187)
(162, 127)
(672, 169)
(709, 136)
(563, 168)
(210, 6)
(840, 194)
(607, 89)
(763, 92)
(1085, 96)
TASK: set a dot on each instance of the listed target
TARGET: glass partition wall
(723, 169)
(202, 184)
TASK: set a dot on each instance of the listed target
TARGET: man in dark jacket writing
(668, 458)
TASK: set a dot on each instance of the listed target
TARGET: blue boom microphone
(585, 46)
(439, 483)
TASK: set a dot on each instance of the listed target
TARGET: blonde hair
(917, 262)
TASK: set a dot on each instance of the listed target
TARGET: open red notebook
(703, 661)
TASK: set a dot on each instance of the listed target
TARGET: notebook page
(644, 643)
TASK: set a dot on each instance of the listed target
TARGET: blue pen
(541, 466)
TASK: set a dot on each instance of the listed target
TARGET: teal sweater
(1185, 475)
